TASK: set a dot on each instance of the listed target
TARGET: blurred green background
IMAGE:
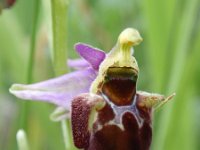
(169, 60)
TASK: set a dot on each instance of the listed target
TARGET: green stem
(66, 134)
(59, 25)
(23, 122)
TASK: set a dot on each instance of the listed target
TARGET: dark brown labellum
(114, 128)
(121, 123)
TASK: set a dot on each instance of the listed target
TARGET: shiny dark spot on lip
(106, 114)
(132, 137)
(120, 85)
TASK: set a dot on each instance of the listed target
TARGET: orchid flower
(6, 4)
(106, 110)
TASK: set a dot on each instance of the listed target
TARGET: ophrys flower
(107, 111)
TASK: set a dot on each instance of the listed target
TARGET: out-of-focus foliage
(168, 59)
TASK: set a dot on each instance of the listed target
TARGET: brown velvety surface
(136, 133)
(122, 124)
(116, 127)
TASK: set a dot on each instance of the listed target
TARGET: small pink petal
(93, 55)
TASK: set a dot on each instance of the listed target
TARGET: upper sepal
(93, 56)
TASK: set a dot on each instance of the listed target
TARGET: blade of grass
(158, 28)
(24, 107)
(10, 53)
(182, 107)
(10, 47)
(180, 56)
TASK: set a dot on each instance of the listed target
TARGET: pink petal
(93, 55)
(59, 91)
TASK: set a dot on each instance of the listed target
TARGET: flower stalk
(59, 26)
